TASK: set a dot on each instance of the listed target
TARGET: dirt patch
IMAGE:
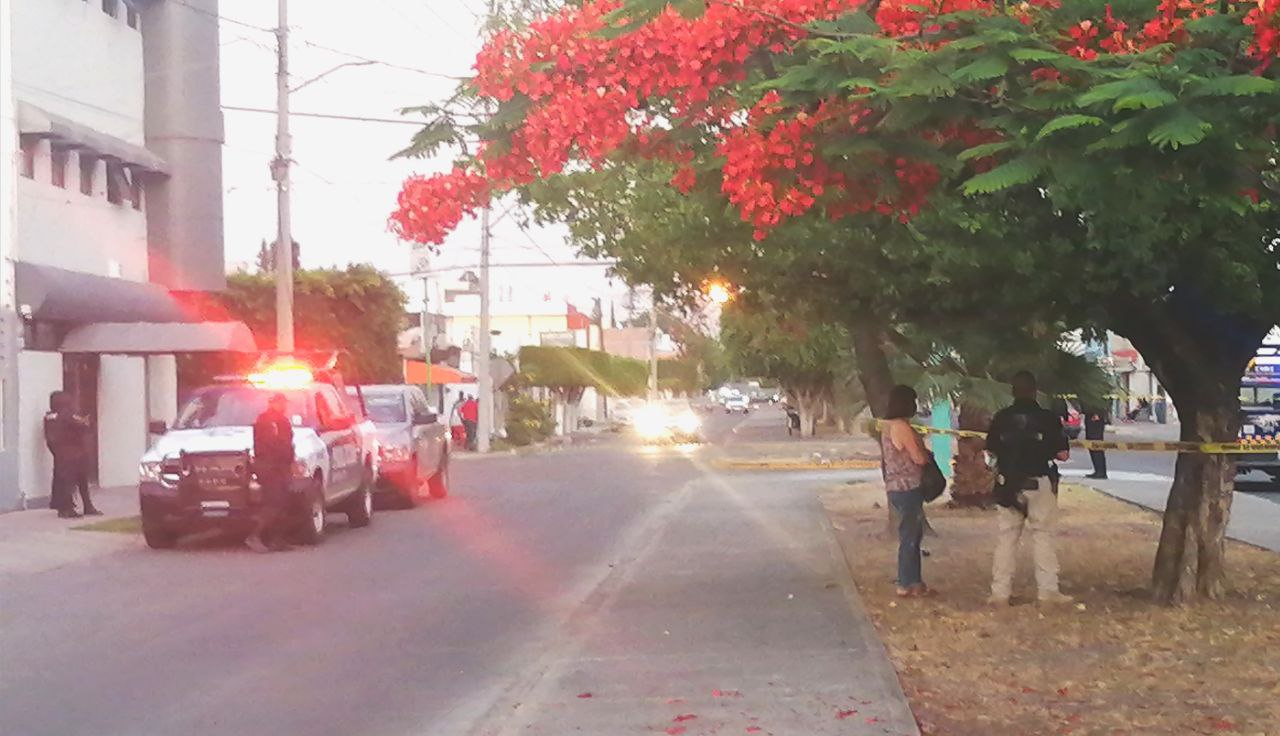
(1113, 664)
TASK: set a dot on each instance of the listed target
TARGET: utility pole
(653, 347)
(484, 376)
(280, 172)
(427, 336)
(485, 430)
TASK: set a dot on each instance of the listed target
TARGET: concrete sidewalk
(1254, 520)
(733, 612)
(37, 540)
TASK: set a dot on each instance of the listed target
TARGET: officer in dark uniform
(1095, 428)
(1025, 440)
(273, 465)
(65, 434)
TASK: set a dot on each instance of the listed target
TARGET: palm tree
(972, 371)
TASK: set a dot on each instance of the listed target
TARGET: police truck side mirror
(157, 426)
(424, 417)
(339, 423)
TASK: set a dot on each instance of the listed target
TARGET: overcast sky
(344, 186)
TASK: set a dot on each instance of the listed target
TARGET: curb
(796, 464)
(904, 715)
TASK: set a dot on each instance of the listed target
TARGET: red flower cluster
(1265, 20)
(427, 209)
(1168, 26)
(905, 18)
(589, 96)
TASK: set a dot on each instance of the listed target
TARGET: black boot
(92, 511)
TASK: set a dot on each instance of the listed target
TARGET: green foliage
(528, 420)
(681, 375)
(568, 371)
(357, 310)
(799, 355)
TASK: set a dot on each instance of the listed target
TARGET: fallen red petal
(1063, 691)
(843, 714)
(754, 729)
(684, 717)
(584, 695)
(676, 730)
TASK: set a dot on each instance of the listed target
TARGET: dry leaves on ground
(1115, 664)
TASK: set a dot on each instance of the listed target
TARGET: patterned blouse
(900, 473)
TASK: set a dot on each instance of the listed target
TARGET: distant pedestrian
(1095, 428)
(793, 421)
(273, 458)
(470, 413)
(1026, 439)
(65, 434)
(903, 457)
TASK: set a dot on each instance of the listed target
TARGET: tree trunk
(810, 403)
(872, 363)
(1191, 559)
(1199, 356)
(973, 482)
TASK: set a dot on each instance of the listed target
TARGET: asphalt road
(603, 590)
(1157, 468)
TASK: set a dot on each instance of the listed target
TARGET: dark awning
(144, 338)
(38, 123)
(70, 296)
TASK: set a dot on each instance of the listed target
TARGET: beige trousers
(1042, 513)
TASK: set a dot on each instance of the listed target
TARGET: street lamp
(718, 292)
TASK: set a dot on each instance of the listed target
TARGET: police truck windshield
(385, 408)
(1259, 395)
(236, 406)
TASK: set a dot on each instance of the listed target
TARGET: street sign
(420, 259)
(563, 339)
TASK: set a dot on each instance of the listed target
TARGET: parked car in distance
(737, 403)
(413, 443)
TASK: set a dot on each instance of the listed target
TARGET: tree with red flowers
(1111, 163)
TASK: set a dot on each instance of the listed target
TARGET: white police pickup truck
(199, 473)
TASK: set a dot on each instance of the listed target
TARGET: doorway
(80, 380)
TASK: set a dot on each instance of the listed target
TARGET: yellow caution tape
(1243, 447)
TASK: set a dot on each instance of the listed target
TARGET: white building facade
(112, 192)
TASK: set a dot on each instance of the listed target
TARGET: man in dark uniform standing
(1025, 440)
(65, 434)
(273, 465)
(1095, 428)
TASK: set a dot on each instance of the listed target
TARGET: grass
(120, 525)
(1113, 664)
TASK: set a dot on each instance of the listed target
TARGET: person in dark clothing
(273, 459)
(65, 434)
(793, 421)
(1095, 428)
(1025, 440)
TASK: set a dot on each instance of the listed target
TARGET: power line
(217, 17)
(380, 62)
(326, 116)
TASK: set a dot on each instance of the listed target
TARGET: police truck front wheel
(438, 485)
(157, 535)
(311, 526)
(360, 508)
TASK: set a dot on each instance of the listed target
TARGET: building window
(88, 166)
(118, 184)
(132, 16)
(29, 157)
(58, 167)
(111, 7)
(135, 188)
